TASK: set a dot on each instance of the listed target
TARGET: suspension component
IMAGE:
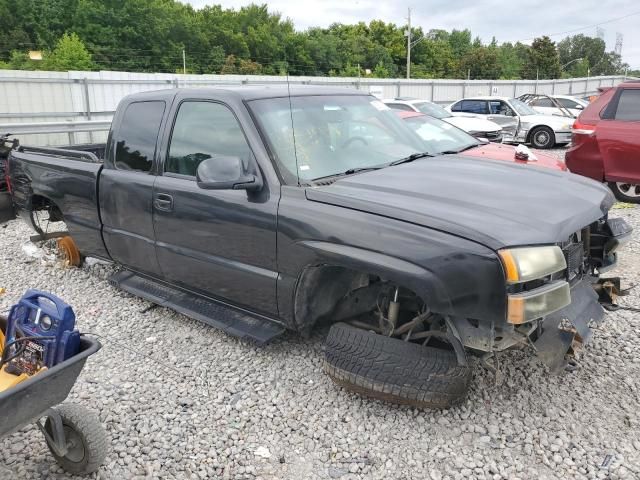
(394, 309)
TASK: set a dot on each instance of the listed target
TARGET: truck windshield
(319, 136)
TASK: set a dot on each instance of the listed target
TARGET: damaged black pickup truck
(258, 209)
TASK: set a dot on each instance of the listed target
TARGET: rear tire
(393, 370)
(625, 192)
(542, 137)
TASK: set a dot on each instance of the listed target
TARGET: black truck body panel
(432, 226)
(70, 184)
(481, 201)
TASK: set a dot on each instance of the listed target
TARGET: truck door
(618, 135)
(126, 186)
(221, 243)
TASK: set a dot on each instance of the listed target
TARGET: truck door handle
(163, 202)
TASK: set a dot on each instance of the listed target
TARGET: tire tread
(393, 370)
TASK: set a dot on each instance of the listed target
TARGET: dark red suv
(606, 141)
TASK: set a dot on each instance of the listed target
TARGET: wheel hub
(75, 449)
(629, 189)
(542, 138)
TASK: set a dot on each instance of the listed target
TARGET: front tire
(626, 192)
(393, 370)
(543, 138)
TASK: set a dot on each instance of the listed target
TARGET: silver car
(520, 123)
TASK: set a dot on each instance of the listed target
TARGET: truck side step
(228, 319)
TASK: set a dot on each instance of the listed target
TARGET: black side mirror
(224, 172)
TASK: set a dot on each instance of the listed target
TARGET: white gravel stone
(201, 404)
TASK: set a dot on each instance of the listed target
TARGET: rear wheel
(626, 192)
(394, 370)
(542, 137)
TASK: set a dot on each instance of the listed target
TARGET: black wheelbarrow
(73, 433)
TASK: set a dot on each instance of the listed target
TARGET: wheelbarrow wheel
(86, 440)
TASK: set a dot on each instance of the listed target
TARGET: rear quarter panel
(70, 184)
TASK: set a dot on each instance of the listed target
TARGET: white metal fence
(40, 101)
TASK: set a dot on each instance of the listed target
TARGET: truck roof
(253, 92)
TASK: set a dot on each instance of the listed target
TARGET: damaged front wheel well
(334, 293)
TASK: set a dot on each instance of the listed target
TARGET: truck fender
(311, 284)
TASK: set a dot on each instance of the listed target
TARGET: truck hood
(473, 124)
(494, 203)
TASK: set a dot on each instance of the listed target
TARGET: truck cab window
(202, 130)
(135, 140)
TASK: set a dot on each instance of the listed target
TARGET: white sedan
(478, 127)
(547, 106)
(520, 123)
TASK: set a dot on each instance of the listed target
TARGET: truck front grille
(574, 255)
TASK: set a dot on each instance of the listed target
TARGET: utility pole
(409, 43)
(184, 62)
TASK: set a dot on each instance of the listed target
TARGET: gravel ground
(202, 404)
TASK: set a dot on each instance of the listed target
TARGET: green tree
(511, 58)
(151, 35)
(481, 63)
(542, 60)
(70, 54)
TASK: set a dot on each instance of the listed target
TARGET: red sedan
(606, 141)
(442, 137)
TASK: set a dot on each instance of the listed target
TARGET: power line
(582, 28)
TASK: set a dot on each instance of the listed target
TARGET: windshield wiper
(351, 171)
(411, 158)
(453, 152)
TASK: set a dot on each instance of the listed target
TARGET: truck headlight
(539, 302)
(530, 263)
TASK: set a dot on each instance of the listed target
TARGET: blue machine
(49, 323)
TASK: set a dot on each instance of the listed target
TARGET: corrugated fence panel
(27, 97)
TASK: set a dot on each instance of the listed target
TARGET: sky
(507, 20)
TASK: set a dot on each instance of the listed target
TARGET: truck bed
(67, 178)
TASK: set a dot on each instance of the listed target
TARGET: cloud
(507, 20)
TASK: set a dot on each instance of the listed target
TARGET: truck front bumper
(564, 331)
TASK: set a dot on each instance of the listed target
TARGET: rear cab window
(136, 137)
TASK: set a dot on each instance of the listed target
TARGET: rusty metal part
(608, 290)
(69, 251)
